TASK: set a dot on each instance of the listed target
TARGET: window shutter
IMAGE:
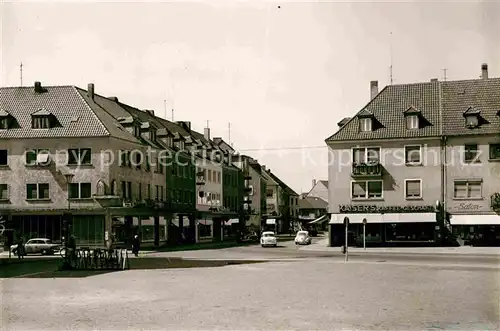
(460, 190)
(359, 189)
(413, 188)
(475, 190)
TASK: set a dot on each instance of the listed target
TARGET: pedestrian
(136, 243)
(20, 248)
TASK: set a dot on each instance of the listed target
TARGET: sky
(283, 74)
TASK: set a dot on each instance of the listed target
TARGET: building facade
(319, 189)
(396, 165)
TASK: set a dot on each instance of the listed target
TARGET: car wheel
(263, 245)
(275, 245)
(44, 252)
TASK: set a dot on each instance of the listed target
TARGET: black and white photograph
(249, 165)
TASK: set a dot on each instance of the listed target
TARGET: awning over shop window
(232, 221)
(384, 218)
(320, 219)
(271, 221)
(205, 222)
(475, 220)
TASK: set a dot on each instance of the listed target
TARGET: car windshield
(301, 234)
(268, 235)
(48, 241)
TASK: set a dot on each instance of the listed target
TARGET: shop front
(384, 225)
(476, 222)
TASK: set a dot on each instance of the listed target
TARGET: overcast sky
(283, 77)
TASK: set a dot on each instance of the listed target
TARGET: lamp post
(69, 178)
(364, 233)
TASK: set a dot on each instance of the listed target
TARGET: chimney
(38, 87)
(314, 183)
(263, 167)
(150, 112)
(115, 99)
(343, 122)
(373, 89)
(434, 80)
(90, 90)
(484, 71)
(206, 134)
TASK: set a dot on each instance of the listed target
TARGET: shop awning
(320, 219)
(384, 218)
(205, 222)
(271, 221)
(475, 220)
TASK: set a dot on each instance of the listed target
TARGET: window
(4, 192)
(149, 191)
(124, 189)
(37, 156)
(218, 177)
(37, 191)
(471, 153)
(140, 191)
(4, 157)
(78, 156)
(412, 122)
(468, 189)
(365, 155)
(494, 152)
(472, 121)
(129, 190)
(269, 193)
(40, 122)
(125, 159)
(209, 175)
(367, 189)
(413, 155)
(413, 188)
(365, 124)
(157, 192)
(148, 164)
(138, 160)
(80, 190)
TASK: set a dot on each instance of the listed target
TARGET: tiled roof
(388, 109)
(481, 95)
(441, 104)
(312, 203)
(281, 183)
(63, 102)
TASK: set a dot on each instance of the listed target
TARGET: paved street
(310, 294)
(305, 290)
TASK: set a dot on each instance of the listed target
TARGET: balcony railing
(367, 169)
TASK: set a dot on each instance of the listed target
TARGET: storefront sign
(373, 209)
(468, 206)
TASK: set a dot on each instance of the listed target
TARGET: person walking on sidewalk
(136, 244)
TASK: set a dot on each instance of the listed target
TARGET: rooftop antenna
(444, 74)
(229, 129)
(390, 55)
(165, 108)
(21, 72)
(172, 114)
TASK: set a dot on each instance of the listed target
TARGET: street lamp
(66, 219)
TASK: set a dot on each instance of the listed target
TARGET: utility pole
(165, 108)
(21, 73)
(391, 78)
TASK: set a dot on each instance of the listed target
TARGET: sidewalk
(321, 246)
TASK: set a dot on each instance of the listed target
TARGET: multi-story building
(389, 163)
(319, 189)
(107, 168)
(256, 190)
(282, 204)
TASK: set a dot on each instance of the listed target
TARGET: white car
(303, 238)
(37, 245)
(268, 239)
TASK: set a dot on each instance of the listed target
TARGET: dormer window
(137, 131)
(412, 122)
(5, 120)
(152, 135)
(472, 118)
(42, 119)
(365, 124)
(181, 144)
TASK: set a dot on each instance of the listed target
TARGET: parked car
(38, 245)
(268, 239)
(303, 238)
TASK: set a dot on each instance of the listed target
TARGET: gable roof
(281, 183)
(312, 203)
(64, 102)
(388, 108)
(442, 104)
(481, 95)
(324, 182)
